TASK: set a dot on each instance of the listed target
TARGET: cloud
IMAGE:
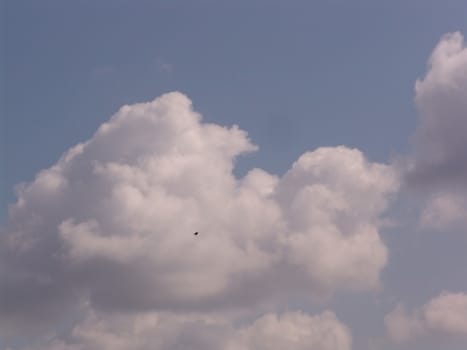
(332, 199)
(402, 326)
(103, 70)
(295, 330)
(445, 211)
(440, 145)
(164, 66)
(165, 331)
(111, 223)
(438, 162)
(446, 314)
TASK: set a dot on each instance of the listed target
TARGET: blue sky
(296, 75)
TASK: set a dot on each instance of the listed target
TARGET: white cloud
(445, 210)
(298, 331)
(402, 326)
(446, 314)
(166, 331)
(332, 198)
(112, 222)
(440, 156)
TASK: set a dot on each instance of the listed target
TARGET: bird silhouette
(196, 233)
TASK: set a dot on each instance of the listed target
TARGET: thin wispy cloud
(163, 66)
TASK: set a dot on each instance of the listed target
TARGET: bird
(196, 233)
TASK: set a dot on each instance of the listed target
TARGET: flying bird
(196, 233)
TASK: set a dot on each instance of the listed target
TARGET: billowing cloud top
(99, 252)
(111, 224)
(440, 142)
(445, 314)
(439, 167)
(439, 159)
(166, 331)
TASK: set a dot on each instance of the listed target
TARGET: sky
(318, 147)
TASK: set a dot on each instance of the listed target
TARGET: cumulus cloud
(332, 199)
(446, 314)
(440, 145)
(298, 331)
(439, 158)
(111, 223)
(445, 210)
(166, 331)
(402, 326)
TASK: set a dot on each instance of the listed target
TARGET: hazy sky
(317, 146)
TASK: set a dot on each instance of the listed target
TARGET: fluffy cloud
(439, 159)
(446, 314)
(112, 222)
(440, 144)
(332, 199)
(298, 331)
(445, 210)
(165, 331)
